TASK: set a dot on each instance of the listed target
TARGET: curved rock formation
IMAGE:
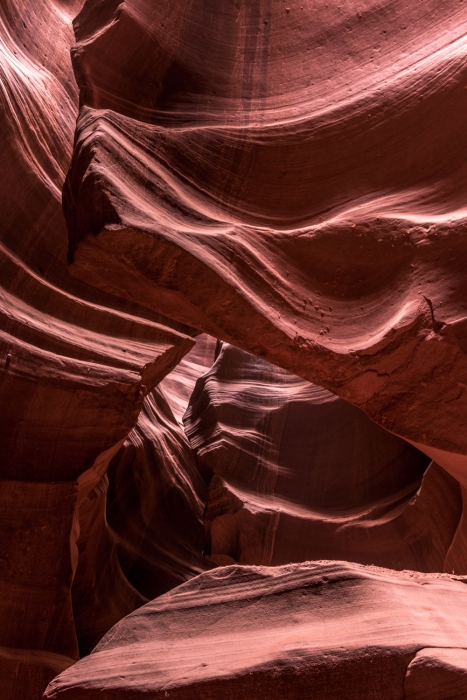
(296, 473)
(178, 386)
(437, 673)
(141, 526)
(156, 502)
(101, 593)
(289, 179)
(322, 629)
(65, 346)
(75, 363)
(259, 426)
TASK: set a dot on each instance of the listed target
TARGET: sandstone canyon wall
(76, 364)
(325, 630)
(296, 474)
(288, 178)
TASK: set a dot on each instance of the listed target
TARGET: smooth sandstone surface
(258, 424)
(75, 364)
(156, 502)
(177, 386)
(321, 629)
(76, 360)
(437, 673)
(290, 180)
(141, 526)
(296, 473)
(288, 177)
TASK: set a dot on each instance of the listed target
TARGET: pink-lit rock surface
(296, 473)
(178, 386)
(290, 180)
(325, 630)
(75, 363)
(156, 502)
(437, 673)
(141, 526)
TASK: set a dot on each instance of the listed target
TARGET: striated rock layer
(296, 473)
(178, 386)
(77, 361)
(289, 179)
(156, 502)
(75, 365)
(325, 630)
(141, 526)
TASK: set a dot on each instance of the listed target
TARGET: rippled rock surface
(291, 180)
(320, 629)
(288, 178)
(75, 364)
(296, 473)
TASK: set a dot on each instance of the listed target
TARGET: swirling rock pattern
(62, 349)
(285, 177)
(178, 386)
(296, 473)
(289, 179)
(101, 593)
(141, 526)
(75, 363)
(326, 629)
(156, 502)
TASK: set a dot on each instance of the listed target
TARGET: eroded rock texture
(296, 473)
(156, 502)
(177, 387)
(75, 363)
(329, 629)
(437, 673)
(142, 529)
(289, 179)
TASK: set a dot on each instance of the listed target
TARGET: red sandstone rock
(291, 182)
(75, 363)
(295, 473)
(143, 534)
(437, 673)
(178, 386)
(325, 630)
(156, 502)
(101, 593)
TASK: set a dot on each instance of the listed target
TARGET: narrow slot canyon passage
(233, 350)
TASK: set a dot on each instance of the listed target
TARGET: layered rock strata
(322, 629)
(177, 387)
(75, 363)
(142, 525)
(296, 473)
(156, 502)
(437, 673)
(289, 179)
